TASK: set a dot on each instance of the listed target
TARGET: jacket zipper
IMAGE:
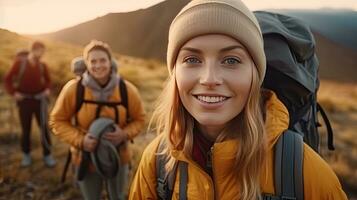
(210, 164)
(211, 181)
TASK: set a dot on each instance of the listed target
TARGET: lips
(211, 99)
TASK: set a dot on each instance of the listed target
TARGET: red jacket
(30, 82)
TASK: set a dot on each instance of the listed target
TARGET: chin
(99, 77)
(211, 121)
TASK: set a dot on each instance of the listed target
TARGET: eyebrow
(191, 49)
(229, 48)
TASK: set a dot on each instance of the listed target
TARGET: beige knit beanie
(228, 17)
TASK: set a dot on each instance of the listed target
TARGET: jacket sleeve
(320, 182)
(62, 114)
(9, 77)
(144, 182)
(136, 112)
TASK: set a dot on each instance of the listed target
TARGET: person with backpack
(219, 132)
(99, 93)
(28, 81)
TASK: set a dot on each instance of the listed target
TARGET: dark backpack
(79, 102)
(21, 56)
(292, 73)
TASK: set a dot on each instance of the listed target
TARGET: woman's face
(99, 65)
(214, 75)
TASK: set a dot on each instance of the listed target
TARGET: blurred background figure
(28, 82)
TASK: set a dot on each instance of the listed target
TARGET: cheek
(185, 80)
(240, 84)
(90, 68)
(107, 69)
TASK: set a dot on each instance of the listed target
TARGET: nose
(95, 65)
(210, 75)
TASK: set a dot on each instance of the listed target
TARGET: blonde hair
(97, 45)
(172, 119)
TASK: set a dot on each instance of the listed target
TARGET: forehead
(97, 54)
(212, 41)
(38, 49)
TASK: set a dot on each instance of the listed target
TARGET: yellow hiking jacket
(320, 182)
(63, 112)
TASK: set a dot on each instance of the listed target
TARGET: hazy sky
(40, 16)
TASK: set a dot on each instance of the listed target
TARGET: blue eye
(231, 61)
(191, 60)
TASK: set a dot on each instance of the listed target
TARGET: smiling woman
(217, 129)
(98, 60)
(103, 94)
(214, 76)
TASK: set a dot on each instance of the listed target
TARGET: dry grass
(340, 102)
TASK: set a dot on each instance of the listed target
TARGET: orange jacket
(64, 110)
(320, 182)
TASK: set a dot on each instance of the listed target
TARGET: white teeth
(209, 99)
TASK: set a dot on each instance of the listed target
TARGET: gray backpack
(292, 73)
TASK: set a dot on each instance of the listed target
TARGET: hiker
(28, 81)
(99, 92)
(217, 128)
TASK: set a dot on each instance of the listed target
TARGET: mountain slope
(337, 25)
(142, 33)
(337, 62)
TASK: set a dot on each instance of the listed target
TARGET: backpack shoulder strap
(66, 165)
(183, 166)
(20, 73)
(79, 99)
(165, 180)
(124, 96)
(78, 105)
(289, 166)
(42, 72)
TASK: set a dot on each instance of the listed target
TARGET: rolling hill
(337, 62)
(337, 25)
(143, 33)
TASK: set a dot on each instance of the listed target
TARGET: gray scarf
(100, 93)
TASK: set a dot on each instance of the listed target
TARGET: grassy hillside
(337, 62)
(39, 182)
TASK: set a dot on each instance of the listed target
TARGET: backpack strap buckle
(287, 198)
(273, 197)
(270, 197)
(162, 189)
